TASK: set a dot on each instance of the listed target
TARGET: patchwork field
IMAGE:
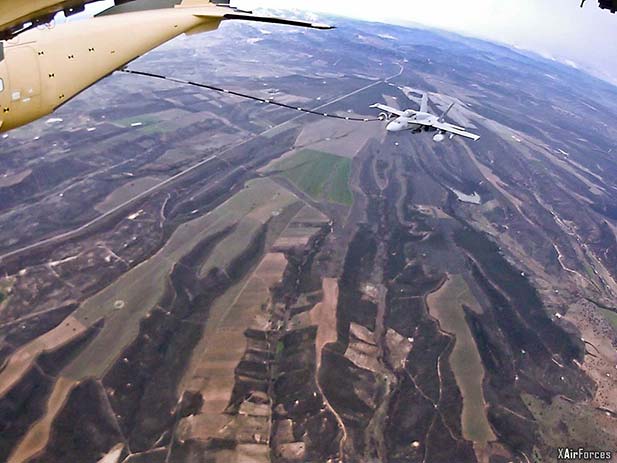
(252, 309)
(137, 292)
(126, 192)
(446, 305)
(5, 289)
(610, 316)
(323, 176)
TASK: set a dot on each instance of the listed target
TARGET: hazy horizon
(555, 29)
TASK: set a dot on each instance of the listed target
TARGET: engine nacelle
(439, 138)
(383, 116)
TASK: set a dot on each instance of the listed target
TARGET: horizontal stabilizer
(445, 113)
(424, 103)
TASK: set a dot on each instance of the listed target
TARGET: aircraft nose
(393, 127)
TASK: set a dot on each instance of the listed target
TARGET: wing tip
(277, 20)
(323, 27)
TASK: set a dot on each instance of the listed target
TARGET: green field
(5, 289)
(446, 305)
(141, 288)
(580, 423)
(323, 176)
(610, 316)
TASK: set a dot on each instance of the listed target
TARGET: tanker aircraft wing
(44, 68)
(17, 16)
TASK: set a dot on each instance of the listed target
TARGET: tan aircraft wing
(17, 16)
(219, 9)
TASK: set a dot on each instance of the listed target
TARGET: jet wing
(388, 109)
(455, 130)
(444, 126)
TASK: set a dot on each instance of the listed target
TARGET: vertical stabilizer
(424, 103)
(445, 113)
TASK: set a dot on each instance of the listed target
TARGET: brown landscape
(230, 282)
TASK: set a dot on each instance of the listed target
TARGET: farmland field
(323, 176)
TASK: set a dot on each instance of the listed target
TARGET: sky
(556, 29)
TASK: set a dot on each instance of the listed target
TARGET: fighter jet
(421, 121)
(43, 68)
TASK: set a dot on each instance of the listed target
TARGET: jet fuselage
(409, 122)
